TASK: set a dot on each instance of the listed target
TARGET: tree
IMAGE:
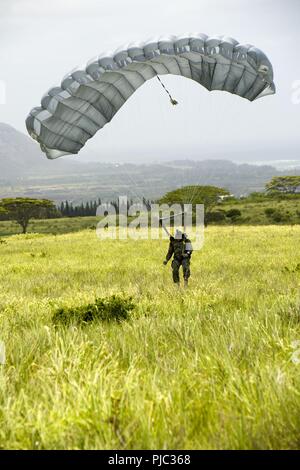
(215, 216)
(209, 196)
(23, 209)
(233, 215)
(284, 184)
(67, 209)
(3, 213)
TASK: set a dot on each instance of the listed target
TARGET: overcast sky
(42, 40)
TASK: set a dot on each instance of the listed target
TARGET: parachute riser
(161, 220)
(173, 102)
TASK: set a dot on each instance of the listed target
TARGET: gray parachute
(88, 99)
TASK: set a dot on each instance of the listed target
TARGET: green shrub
(269, 211)
(277, 217)
(113, 308)
(217, 216)
(233, 213)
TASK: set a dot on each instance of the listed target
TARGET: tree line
(67, 209)
(87, 209)
(21, 210)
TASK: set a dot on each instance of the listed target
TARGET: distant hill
(20, 156)
(17, 152)
(25, 171)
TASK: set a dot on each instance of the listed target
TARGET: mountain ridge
(25, 171)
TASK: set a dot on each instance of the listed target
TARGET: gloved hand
(165, 262)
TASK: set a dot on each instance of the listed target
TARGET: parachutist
(181, 249)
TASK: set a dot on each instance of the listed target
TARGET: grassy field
(52, 226)
(253, 213)
(214, 366)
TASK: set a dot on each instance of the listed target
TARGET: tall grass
(209, 367)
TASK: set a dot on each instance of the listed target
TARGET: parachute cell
(88, 99)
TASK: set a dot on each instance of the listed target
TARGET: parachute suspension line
(192, 193)
(173, 102)
(172, 218)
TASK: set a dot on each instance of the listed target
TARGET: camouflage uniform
(182, 255)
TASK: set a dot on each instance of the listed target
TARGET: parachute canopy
(86, 100)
